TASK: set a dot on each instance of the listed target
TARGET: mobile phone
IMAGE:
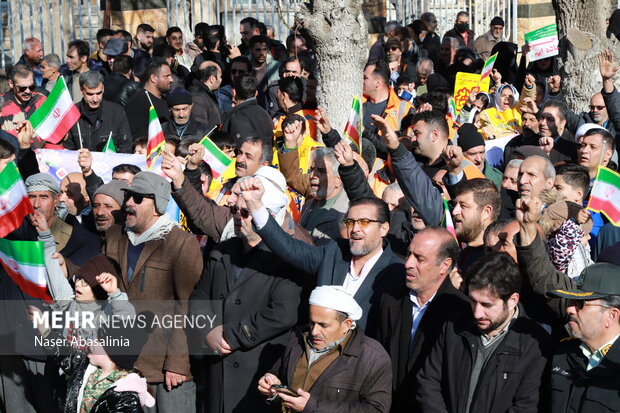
(281, 388)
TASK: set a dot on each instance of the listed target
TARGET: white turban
(274, 198)
(585, 128)
(336, 298)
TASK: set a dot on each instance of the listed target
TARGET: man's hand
(530, 80)
(453, 155)
(39, 221)
(344, 153)
(554, 82)
(32, 312)
(292, 135)
(24, 134)
(296, 403)
(173, 379)
(215, 340)
(108, 282)
(529, 105)
(197, 154)
(387, 133)
(171, 166)
(606, 65)
(471, 99)
(546, 144)
(424, 107)
(583, 216)
(252, 191)
(233, 51)
(322, 123)
(527, 214)
(265, 383)
(85, 161)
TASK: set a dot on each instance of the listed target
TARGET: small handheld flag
(605, 195)
(155, 144)
(109, 145)
(217, 160)
(353, 128)
(488, 67)
(447, 222)
(25, 263)
(56, 115)
(14, 201)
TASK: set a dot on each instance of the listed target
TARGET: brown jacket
(359, 380)
(166, 270)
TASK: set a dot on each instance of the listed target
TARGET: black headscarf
(506, 62)
(614, 25)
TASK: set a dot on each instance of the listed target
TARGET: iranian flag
(25, 263)
(217, 160)
(156, 141)
(14, 202)
(605, 195)
(488, 67)
(353, 130)
(56, 115)
(109, 145)
(447, 222)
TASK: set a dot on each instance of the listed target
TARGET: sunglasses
(22, 89)
(137, 198)
(244, 212)
(593, 107)
(393, 48)
(363, 222)
(579, 304)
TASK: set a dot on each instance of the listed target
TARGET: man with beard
(144, 38)
(157, 82)
(159, 261)
(20, 101)
(491, 358)
(364, 264)
(477, 204)
(182, 124)
(473, 147)
(107, 204)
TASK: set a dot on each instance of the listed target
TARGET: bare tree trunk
(581, 30)
(338, 28)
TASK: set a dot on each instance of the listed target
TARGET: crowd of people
(403, 274)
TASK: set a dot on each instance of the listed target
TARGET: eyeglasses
(244, 212)
(79, 282)
(362, 222)
(593, 107)
(137, 198)
(579, 304)
(22, 89)
(393, 48)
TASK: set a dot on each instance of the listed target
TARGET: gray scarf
(158, 230)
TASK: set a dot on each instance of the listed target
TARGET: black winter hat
(469, 137)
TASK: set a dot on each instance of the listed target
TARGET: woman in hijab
(504, 118)
(614, 25)
(506, 62)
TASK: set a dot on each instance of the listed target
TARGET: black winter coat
(205, 109)
(119, 89)
(248, 119)
(512, 379)
(111, 119)
(112, 401)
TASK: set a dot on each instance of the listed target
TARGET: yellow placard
(465, 84)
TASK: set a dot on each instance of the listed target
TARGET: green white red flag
(488, 67)
(109, 145)
(353, 128)
(155, 144)
(605, 195)
(447, 222)
(53, 119)
(215, 158)
(14, 201)
(24, 261)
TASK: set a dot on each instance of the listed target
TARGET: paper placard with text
(543, 43)
(465, 84)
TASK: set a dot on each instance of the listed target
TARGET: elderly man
(585, 373)
(535, 175)
(107, 204)
(73, 241)
(457, 375)
(159, 261)
(99, 120)
(261, 299)
(32, 54)
(182, 124)
(50, 68)
(331, 350)
(20, 101)
(413, 313)
(484, 44)
(364, 265)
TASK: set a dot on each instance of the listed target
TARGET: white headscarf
(585, 128)
(498, 96)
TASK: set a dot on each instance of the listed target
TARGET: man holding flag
(99, 119)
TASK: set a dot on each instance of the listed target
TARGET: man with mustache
(182, 124)
(107, 204)
(491, 358)
(159, 261)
